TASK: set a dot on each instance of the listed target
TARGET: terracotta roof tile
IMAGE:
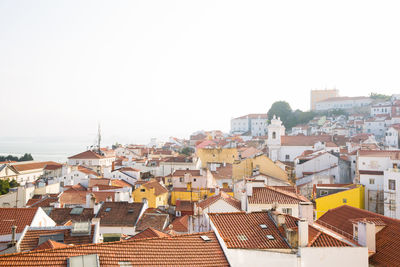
(242, 230)
(387, 239)
(122, 214)
(157, 221)
(180, 224)
(20, 217)
(222, 195)
(187, 250)
(49, 244)
(63, 215)
(149, 233)
(264, 195)
(31, 239)
(20, 167)
(158, 188)
(86, 155)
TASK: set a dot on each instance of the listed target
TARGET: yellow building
(153, 192)
(207, 155)
(261, 163)
(192, 195)
(332, 196)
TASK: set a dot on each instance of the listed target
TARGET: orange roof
(149, 233)
(183, 172)
(223, 196)
(302, 140)
(50, 244)
(87, 170)
(30, 240)
(121, 214)
(86, 155)
(20, 217)
(223, 172)
(269, 195)
(242, 230)
(180, 224)
(393, 154)
(20, 167)
(158, 188)
(99, 181)
(387, 240)
(184, 250)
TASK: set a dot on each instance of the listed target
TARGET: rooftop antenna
(99, 139)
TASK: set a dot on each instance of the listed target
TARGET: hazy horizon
(148, 69)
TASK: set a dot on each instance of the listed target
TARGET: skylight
(107, 209)
(263, 226)
(270, 237)
(76, 211)
(130, 211)
(205, 238)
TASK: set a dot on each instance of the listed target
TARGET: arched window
(273, 135)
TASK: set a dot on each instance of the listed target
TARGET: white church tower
(275, 131)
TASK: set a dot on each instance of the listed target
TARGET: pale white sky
(168, 68)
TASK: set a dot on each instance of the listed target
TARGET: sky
(163, 68)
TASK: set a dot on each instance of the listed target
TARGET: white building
(254, 124)
(375, 126)
(383, 108)
(379, 173)
(99, 163)
(343, 103)
(392, 137)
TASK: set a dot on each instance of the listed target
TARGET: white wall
(333, 256)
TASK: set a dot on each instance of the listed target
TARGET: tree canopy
(5, 186)
(188, 151)
(25, 157)
(377, 96)
(289, 117)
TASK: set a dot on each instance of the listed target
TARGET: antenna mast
(99, 139)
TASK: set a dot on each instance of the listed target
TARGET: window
(273, 135)
(142, 190)
(371, 181)
(344, 200)
(392, 184)
(323, 193)
(181, 179)
(194, 179)
(287, 157)
(287, 211)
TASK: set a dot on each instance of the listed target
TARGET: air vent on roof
(242, 237)
(80, 228)
(263, 226)
(76, 211)
(205, 238)
(270, 237)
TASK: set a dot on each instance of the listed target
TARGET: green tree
(4, 187)
(283, 110)
(13, 183)
(377, 96)
(187, 151)
(26, 157)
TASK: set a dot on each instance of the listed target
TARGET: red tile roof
(121, 214)
(387, 239)
(30, 240)
(393, 154)
(49, 244)
(41, 201)
(183, 250)
(20, 217)
(180, 224)
(182, 173)
(242, 230)
(158, 188)
(223, 196)
(86, 170)
(302, 140)
(149, 233)
(20, 167)
(223, 172)
(86, 155)
(269, 195)
(157, 221)
(63, 215)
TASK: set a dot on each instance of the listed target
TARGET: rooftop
(187, 250)
(122, 214)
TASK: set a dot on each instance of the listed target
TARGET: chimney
(113, 166)
(90, 200)
(249, 189)
(280, 219)
(303, 232)
(13, 235)
(243, 201)
(306, 211)
(366, 235)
